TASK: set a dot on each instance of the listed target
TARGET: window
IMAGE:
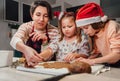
(111, 8)
(74, 9)
(54, 21)
(26, 13)
(11, 10)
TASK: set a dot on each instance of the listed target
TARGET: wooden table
(11, 74)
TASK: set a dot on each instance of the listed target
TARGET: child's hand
(71, 57)
(89, 61)
(41, 57)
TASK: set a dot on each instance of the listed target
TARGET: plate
(44, 70)
(41, 69)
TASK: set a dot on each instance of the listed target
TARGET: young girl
(105, 34)
(71, 44)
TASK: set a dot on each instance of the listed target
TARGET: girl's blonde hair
(72, 16)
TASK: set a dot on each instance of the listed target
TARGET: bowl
(6, 58)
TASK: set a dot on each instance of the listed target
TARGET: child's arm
(46, 54)
(94, 54)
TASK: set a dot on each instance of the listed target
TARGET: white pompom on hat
(104, 18)
(90, 13)
(60, 15)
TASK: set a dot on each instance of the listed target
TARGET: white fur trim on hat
(104, 18)
(60, 15)
(86, 21)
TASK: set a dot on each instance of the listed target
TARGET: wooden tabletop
(11, 74)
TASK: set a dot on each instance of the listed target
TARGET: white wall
(4, 30)
(59, 2)
(77, 2)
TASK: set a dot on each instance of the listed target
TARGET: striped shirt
(25, 29)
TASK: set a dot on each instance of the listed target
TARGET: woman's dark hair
(37, 3)
(99, 25)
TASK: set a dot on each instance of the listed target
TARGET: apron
(37, 44)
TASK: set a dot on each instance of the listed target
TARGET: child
(105, 34)
(71, 44)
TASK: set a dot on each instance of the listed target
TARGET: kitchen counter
(112, 75)
(11, 74)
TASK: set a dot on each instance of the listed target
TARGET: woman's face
(68, 27)
(88, 30)
(40, 17)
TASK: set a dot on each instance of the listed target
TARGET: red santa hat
(90, 13)
(58, 14)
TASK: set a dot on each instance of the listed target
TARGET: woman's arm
(20, 36)
(32, 57)
(95, 55)
(110, 58)
(17, 42)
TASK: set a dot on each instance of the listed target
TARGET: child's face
(68, 27)
(88, 30)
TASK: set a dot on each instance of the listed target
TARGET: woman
(71, 44)
(105, 34)
(36, 30)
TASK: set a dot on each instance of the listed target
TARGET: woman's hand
(37, 36)
(32, 57)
